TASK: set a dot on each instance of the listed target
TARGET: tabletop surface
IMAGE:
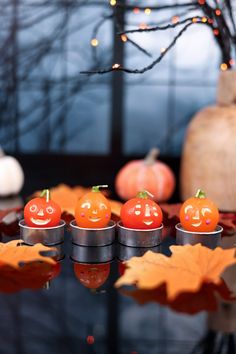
(72, 317)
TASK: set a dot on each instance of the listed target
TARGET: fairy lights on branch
(219, 19)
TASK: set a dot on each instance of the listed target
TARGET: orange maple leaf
(188, 281)
(67, 198)
(24, 266)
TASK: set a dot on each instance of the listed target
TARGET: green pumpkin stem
(152, 156)
(144, 195)
(97, 188)
(46, 192)
(200, 194)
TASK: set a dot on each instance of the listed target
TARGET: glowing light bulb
(224, 67)
(201, 2)
(218, 12)
(94, 42)
(216, 32)
(143, 25)
(115, 66)
(204, 19)
(175, 19)
(147, 11)
(113, 2)
(194, 19)
(136, 10)
(124, 38)
(232, 62)
(162, 50)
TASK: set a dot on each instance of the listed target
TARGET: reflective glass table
(80, 311)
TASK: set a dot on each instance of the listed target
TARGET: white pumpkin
(11, 175)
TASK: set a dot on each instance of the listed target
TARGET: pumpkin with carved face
(199, 214)
(92, 276)
(141, 213)
(93, 210)
(42, 212)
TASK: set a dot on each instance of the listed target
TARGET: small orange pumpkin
(147, 174)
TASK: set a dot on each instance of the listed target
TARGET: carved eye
(49, 210)
(138, 206)
(137, 212)
(86, 205)
(205, 210)
(33, 208)
(188, 207)
(155, 214)
(103, 206)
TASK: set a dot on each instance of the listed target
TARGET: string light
(136, 10)
(124, 38)
(224, 66)
(232, 62)
(175, 19)
(208, 17)
(94, 42)
(115, 66)
(113, 2)
(147, 11)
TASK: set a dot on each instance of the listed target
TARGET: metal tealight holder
(93, 237)
(48, 236)
(207, 239)
(139, 237)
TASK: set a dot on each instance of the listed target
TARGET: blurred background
(48, 106)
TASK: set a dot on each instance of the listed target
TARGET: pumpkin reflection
(92, 276)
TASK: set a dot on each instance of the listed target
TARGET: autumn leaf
(188, 281)
(24, 266)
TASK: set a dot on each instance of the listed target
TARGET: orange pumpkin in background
(147, 174)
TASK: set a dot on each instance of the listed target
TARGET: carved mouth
(40, 221)
(197, 224)
(148, 222)
(93, 219)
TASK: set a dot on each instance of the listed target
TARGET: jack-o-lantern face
(92, 276)
(199, 214)
(40, 212)
(93, 210)
(141, 213)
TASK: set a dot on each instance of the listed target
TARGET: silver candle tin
(47, 236)
(83, 254)
(126, 252)
(208, 239)
(93, 237)
(139, 237)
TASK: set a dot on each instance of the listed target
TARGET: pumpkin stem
(144, 195)
(47, 193)
(97, 188)
(152, 156)
(200, 194)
